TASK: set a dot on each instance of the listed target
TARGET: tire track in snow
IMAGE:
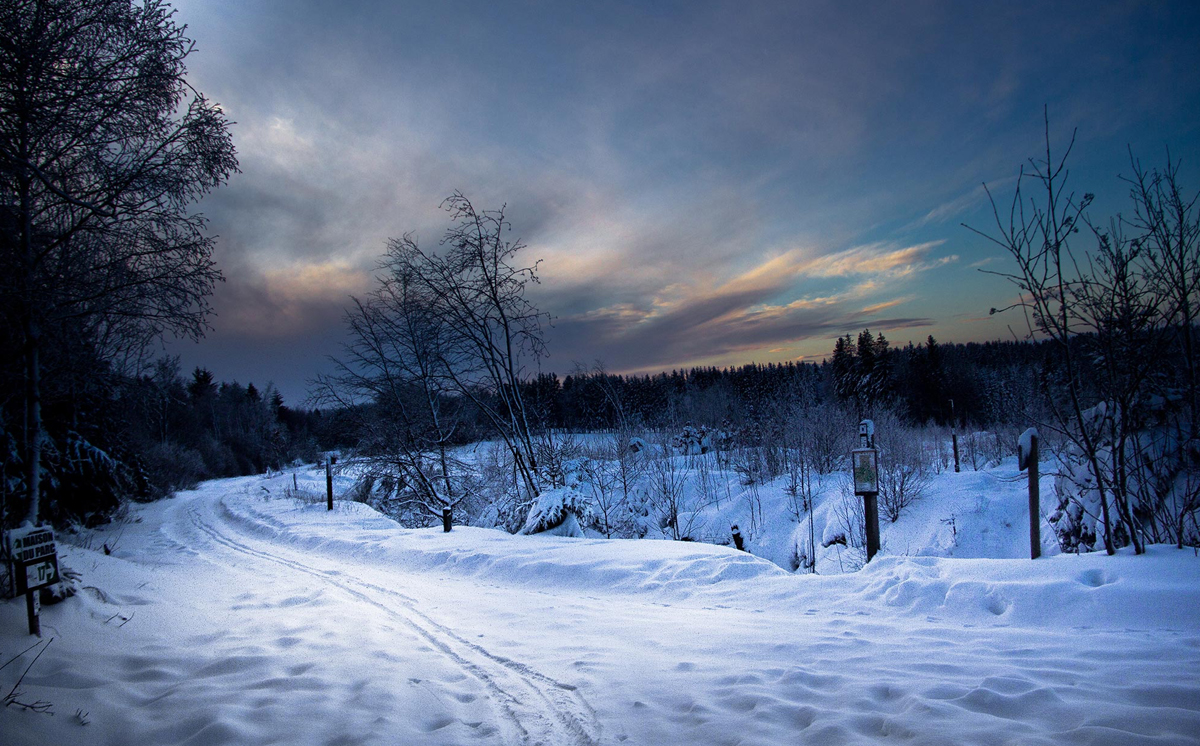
(536, 708)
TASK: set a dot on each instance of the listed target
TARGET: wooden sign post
(34, 566)
(864, 462)
(1027, 459)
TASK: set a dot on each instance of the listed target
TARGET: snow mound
(1157, 590)
(668, 569)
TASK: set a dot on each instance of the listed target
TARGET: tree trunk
(33, 418)
(32, 332)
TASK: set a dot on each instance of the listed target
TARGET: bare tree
(609, 505)
(667, 477)
(441, 332)
(1166, 225)
(494, 330)
(393, 381)
(1113, 314)
(103, 148)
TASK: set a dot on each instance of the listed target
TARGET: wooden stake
(738, 541)
(33, 607)
(871, 513)
(1035, 502)
(329, 481)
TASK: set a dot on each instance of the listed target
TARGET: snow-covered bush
(709, 488)
(693, 440)
(1150, 479)
(562, 511)
(828, 432)
(757, 464)
(612, 475)
(173, 466)
(1078, 516)
(666, 493)
(846, 530)
(903, 471)
(672, 501)
(600, 479)
(982, 450)
(494, 497)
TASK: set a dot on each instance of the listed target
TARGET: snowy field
(234, 615)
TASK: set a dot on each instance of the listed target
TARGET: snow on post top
(1025, 447)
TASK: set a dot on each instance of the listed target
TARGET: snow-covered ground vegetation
(793, 504)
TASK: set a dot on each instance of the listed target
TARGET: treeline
(109, 436)
(974, 384)
(189, 429)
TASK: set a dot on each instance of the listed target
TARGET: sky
(703, 183)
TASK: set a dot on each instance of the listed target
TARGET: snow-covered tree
(562, 511)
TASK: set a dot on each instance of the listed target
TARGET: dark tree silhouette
(103, 149)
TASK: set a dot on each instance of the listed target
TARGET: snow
(1025, 441)
(557, 512)
(237, 614)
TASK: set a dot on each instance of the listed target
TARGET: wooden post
(1027, 459)
(329, 480)
(1035, 502)
(295, 486)
(812, 536)
(33, 607)
(738, 541)
(446, 519)
(871, 513)
(954, 436)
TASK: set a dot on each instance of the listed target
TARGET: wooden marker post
(33, 609)
(446, 519)
(954, 437)
(864, 461)
(738, 540)
(329, 479)
(1027, 459)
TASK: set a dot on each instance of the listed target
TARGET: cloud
(750, 313)
(952, 208)
(703, 179)
(875, 259)
(287, 302)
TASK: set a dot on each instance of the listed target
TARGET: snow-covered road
(233, 615)
(528, 706)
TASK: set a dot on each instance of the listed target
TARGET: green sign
(866, 471)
